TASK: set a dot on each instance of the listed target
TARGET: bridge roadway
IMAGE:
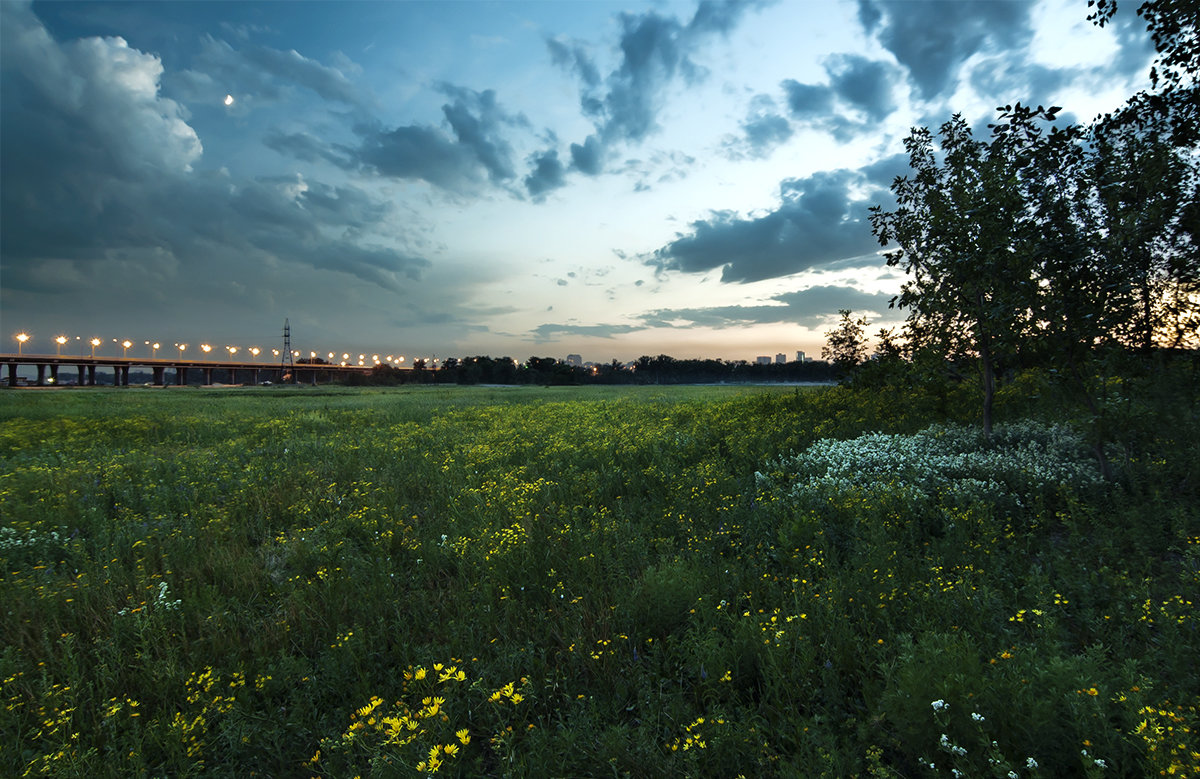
(86, 368)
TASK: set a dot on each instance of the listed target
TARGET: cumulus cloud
(820, 219)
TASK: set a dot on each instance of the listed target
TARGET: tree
(846, 344)
(957, 226)
(1173, 102)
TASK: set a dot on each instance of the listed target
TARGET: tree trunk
(989, 377)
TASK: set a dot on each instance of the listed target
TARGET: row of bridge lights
(347, 359)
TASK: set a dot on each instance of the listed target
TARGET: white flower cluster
(952, 460)
(13, 541)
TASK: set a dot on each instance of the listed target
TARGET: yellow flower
(420, 674)
(450, 749)
(464, 736)
(516, 697)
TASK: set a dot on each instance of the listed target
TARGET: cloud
(548, 173)
(811, 307)
(932, 39)
(763, 130)
(102, 180)
(548, 333)
(255, 73)
(821, 219)
(655, 53)
(862, 83)
(475, 149)
(859, 96)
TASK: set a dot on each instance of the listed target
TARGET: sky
(609, 179)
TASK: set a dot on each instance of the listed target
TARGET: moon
(228, 99)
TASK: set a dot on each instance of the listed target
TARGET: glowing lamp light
(60, 340)
(205, 348)
(94, 342)
(21, 339)
(254, 350)
(125, 347)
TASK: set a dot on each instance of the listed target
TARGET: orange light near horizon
(60, 340)
(125, 347)
(94, 342)
(254, 350)
(21, 339)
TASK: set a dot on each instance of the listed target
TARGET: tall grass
(585, 582)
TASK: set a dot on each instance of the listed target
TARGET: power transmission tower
(287, 368)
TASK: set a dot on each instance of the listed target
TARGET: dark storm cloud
(807, 307)
(99, 171)
(817, 222)
(932, 38)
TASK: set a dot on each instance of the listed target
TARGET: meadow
(638, 581)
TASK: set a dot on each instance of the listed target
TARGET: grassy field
(590, 582)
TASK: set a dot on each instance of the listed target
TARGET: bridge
(50, 365)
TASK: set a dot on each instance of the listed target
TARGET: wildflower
(939, 705)
(464, 736)
(1030, 763)
(977, 716)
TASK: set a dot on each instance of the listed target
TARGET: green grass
(575, 581)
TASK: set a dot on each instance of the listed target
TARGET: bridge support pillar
(181, 376)
(54, 373)
(41, 379)
(12, 374)
(124, 375)
(254, 375)
(91, 375)
(208, 377)
(80, 369)
(159, 374)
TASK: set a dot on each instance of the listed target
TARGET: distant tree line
(550, 371)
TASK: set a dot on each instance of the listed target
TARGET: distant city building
(780, 359)
(799, 356)
(575, 360)
(763, 359)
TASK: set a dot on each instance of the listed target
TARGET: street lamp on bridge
(60, 340)
(254, 350)
(232, 351)
(154, 347)
(21, 339)
(181, 347)
(94, 342)
(205, 348)
(125, 347)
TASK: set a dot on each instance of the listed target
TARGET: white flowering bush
(951, 462)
